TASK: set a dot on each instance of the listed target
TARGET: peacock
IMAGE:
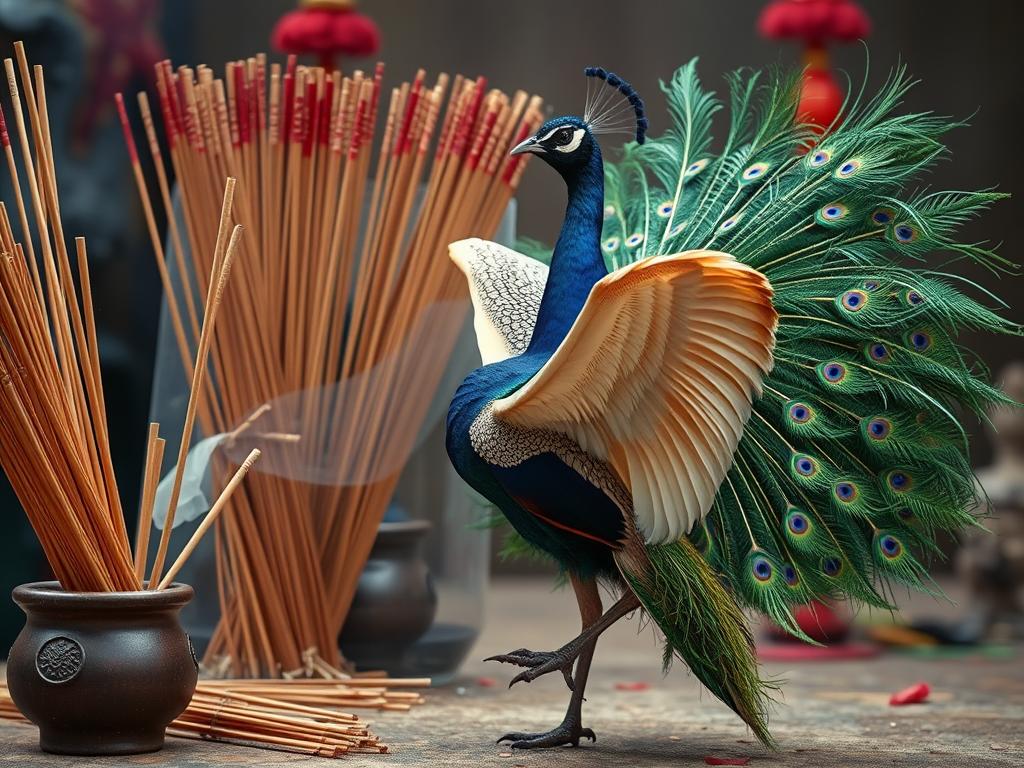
(738, 385)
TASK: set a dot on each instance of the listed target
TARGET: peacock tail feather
(702, 624)
(854, 456)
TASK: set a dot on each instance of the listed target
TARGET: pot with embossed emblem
(101, 673)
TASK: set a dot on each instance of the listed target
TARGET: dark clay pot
(395, 600)
(101, 673)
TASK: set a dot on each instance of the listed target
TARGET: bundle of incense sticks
(288, 715)
(341, 328)
(54, 446)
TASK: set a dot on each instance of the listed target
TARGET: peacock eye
(564, 136)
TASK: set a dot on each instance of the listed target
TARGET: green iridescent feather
(854, 456)
(857, 429)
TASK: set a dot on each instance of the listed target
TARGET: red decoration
(915, 694)
(816, 23)
(635, 687)
(326, 29)
(819, 621)
(726, 760)
(121, 43)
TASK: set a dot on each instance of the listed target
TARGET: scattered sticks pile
(54, 445)
(345, 315)
(289, 715)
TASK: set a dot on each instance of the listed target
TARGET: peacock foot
(539, 663)
(569, 732)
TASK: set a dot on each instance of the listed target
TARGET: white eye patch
(572, 146)
(549, 134)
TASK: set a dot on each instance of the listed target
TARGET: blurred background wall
(967, 55)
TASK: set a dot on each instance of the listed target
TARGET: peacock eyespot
(800, 413)
(848, 169)
(883, 216)
(891, 546)
(611, 244)
(678, 228)
(634, 240)
(819, 158)
(609, 211)
(871, 285)
(832, 566)
(762, 569)
(904, 233)
(899, 481)
(755, 171)
(797, 523)
(789, 574)
(694, 168)
(834, 212)
(854, 301)
(846, 492)
(806, 466)
(914, 298)
(921, 341)
(729, 223)
(905, 513)
(879, 428)
(833, 373)
(665, 209)
(878, 352)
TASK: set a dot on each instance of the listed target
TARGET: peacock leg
(571, 729)
(540, 663)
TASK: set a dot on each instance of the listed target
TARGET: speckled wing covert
(506, 288)
(656, 377)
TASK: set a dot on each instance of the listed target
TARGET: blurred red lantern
(816, 23)
(326, 29)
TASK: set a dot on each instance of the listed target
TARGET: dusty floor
(833, 714)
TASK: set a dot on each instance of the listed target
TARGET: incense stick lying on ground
(343, 320)
(290, 715)
(54, 445)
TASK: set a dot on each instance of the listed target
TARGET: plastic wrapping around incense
(333, 342)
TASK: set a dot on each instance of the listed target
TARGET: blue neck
(577, 262)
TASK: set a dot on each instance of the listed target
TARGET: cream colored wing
(506, 288)
(657, 376)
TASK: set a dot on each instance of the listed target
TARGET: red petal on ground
(637, 686)
(726, 760)
(486, 682)
(915, 694)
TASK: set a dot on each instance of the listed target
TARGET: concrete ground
(832, 714)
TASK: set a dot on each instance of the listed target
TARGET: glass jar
(453, 548)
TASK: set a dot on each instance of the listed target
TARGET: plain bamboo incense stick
(151, 474)
(214, 297)
(210, 518)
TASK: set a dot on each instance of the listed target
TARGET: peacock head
(569, 143)
(565, 143)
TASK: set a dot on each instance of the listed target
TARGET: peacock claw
(566, 733)
(538, 663)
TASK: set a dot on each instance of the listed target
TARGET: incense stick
(54, 441)
(343, 318)
(270, 720)
(210, 518)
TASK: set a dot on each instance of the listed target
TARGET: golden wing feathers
(657, 376)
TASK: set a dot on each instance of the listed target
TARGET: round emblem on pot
(59, 659)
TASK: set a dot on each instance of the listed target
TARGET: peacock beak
(530, 145)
